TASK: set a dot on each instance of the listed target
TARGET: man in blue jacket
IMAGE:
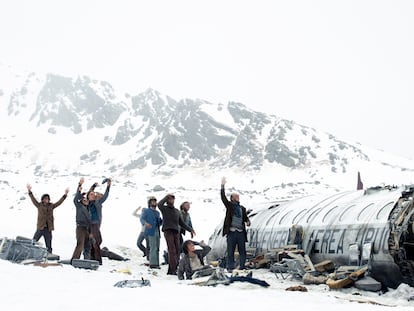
(152, 221)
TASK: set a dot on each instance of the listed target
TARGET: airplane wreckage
(27, 251)
(373, 225)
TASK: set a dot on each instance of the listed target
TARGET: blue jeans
(154, 249)
(236, 238)
(141, 246)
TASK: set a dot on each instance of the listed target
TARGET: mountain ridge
(152, 134)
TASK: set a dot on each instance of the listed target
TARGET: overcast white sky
(346, 67)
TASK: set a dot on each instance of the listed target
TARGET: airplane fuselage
(330, 226)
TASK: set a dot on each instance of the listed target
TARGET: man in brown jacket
(45, 218)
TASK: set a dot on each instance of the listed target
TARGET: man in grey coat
(83, 221)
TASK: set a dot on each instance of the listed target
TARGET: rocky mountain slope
(55, 125)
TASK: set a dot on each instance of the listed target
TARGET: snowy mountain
(57, 129)
(58, 126)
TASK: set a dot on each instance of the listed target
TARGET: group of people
(88, 219)
(163, 216)
(176, 222)
(157, 217)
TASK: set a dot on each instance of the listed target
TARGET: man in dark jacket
(172, 221)
(45, 219)
(83, 221)
(234, 227)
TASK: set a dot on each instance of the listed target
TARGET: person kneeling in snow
(192, 261)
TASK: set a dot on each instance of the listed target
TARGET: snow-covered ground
(67, 288)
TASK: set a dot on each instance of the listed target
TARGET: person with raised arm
(45, 218)
(234, 227)
(83, 221)
(172, 222)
